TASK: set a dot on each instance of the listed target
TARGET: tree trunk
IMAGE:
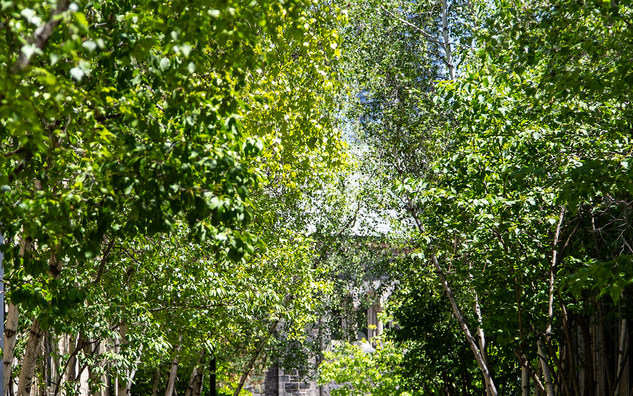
(130, 381)
(550, 309)
(462, 323)
(525, 382)
(197, 388)
(71, 365)
(171, 381)
(156, 382)
(622, 352)
(196, 375)
(447, 43)
(25, 381)
(10, 336)
(192, 380)
(480, 330)
(549, 388)
(539, 371)
(11, 328)
(590, 382)
(573, 352)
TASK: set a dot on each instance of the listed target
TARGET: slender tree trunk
(571, 371)
(590, 382)
(525, 382)
(156, 382)
(622, 351)
(171, 381)
(10, 336)
(480, 330)
(133, 369)
(447, 43)
(196, 375)
(462, 323)
(197, 387)
(539, 372)
(25, 381)
(71, 366)
(547, 377)
(130, 381)
(535, 376)
(121, 382)
(11, 328)
(42, 366)
(251, 363)
(550, 309)
(192, 379)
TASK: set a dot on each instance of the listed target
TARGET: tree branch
(42, 34)
(428, 36)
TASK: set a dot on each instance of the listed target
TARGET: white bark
(525, 382)
(447, 43)
(552, 272)
(171, 382)
(192, 381)
(196, 377)
(33, 348)
(549, 387)
(10, 336)
(621, 358)
(11, 329)
(42, 34)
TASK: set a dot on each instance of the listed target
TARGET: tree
(522, 204)
(128, 129)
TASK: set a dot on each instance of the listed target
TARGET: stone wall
(279, 383)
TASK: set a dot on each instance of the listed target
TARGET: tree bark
(549, 387)
(525, 365)
(196, 375)
(550, 309)
(11, 328)
(71, 365)
(480, 330)
(197, 388)
(462, 323)
(571, 371)
(590, 382)
(622, 351)
(538, 390)
(42, 34)
(525, 382)
(171, 381)
(10, 336)
(156, 382)
(25, 381)
(447, 43)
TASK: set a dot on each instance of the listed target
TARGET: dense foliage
(158, 161)
(175, 189)
(512, 174)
